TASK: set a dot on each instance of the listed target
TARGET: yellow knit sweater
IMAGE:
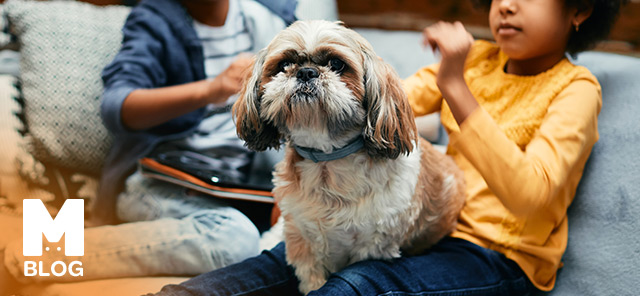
(523, 152)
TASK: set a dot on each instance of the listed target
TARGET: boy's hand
(229, 82)
(454, 43)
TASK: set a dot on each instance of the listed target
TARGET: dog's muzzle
(307, 85)
(306, 74)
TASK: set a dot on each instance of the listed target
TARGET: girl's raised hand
(453, 42)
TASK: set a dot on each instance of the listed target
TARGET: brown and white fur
(320, 85)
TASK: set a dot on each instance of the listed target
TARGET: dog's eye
(337, 65)
(282, 65)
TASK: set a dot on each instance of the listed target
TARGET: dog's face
(319, 85)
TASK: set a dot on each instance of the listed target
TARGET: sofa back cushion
(603, 254)
(63, 46)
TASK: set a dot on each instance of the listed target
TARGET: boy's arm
(527, 180)
(136, 96)
(146, 108)
(136, 65)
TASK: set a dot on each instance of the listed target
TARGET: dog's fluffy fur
(320, 85)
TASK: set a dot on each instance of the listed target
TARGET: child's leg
(147, 199)
(178, 235)
(12, 230)
(266, 274)
(452, 266)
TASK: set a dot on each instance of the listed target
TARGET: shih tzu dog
(356, 181)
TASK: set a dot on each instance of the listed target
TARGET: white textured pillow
(64, 46)
(4, 37)
(12, 186)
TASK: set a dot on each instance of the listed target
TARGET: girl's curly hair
(593, 29)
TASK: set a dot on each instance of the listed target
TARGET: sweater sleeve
(137, 65)
(422, 91)
(527, 180)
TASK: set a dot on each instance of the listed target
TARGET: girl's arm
(527, 180)
(454, 43)
(524, 180)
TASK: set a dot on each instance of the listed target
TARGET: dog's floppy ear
(258, 134)
(390, 129)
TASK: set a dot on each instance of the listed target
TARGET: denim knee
(142, 198)
(228, 236)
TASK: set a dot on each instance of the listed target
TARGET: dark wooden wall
(416, 14)
(97, 2)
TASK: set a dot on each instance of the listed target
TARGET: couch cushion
(5, 37)
(603, 255)
(64, 45)
(13, 188)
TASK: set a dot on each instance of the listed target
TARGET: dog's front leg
(378, 245)
(308, 268)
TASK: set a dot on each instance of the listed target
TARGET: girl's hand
(229, 82)
(454, 43)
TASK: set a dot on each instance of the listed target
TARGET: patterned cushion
(11, 185)
(5, 37)
(64, 45)
(22, 176)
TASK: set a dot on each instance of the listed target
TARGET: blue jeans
(452, 267)
(170, 232)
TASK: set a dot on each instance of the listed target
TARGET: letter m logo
(37, 221)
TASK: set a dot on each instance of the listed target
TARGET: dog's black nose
(307, 73)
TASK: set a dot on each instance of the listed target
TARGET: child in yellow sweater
(522, 121)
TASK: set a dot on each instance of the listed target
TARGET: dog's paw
(391, 251)
(313, 284)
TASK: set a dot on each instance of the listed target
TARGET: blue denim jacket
(159, 48)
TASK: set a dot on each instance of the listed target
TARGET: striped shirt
(216, 133)
(222, 44)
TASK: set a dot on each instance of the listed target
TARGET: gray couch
(603, 256)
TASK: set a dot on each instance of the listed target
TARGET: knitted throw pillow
(64, 46)
(5, 38)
